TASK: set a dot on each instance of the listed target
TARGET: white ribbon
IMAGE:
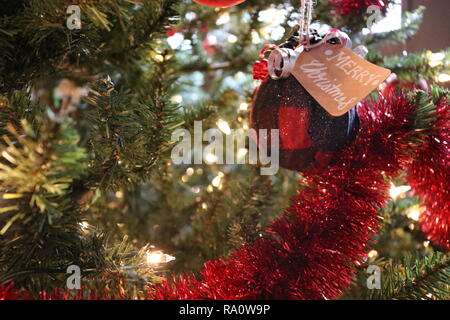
(282, 61)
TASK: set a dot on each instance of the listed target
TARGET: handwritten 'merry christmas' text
(336, 77)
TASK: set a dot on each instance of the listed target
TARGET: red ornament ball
(309, 136)
(219, 3)
(358, 7)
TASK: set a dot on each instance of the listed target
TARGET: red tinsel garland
(429, 176)
(9, 293)
(310, 251)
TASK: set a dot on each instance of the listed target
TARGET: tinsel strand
(310, 251)
(429, 177)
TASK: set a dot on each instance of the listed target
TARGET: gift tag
(337, 77)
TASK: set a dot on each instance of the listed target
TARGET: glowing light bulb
(232, 38)
(372, 254)
(211, 158)
(159, 58)
(436, 59)
(84, 225)
(243, 106)
(443, 77)
(158, 257)
(119, 194)
(224, 126)
(223, 19)
(415, 212)
(177, 99)
(242, 152)
(397, 191)
(175, 41)
(255, 37)
(216, 181)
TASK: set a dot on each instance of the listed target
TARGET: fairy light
(176, 40)
(86, 228)
(216, 181)
(189, 171)
(265, 32)
(119, 194)
(159, 58)
(243, 106)
(185, 178)
(84, 225)
(224, 18)
(157, 257)
(372, 254)
(435, 59)
(443, 77)
(242, 152)
(177, 99)
(396, 191)
(211, 158)
(415, 212)
(190, 15)
(273, 16)
(232, 38)
(209, 188)
(224, 126)
(255, 37)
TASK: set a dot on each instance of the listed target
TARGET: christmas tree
(95, 97)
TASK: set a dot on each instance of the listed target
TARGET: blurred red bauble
(219, 3)
(309, 136)
(358, 7)
(393, 86)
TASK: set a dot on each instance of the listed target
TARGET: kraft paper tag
(337, 77)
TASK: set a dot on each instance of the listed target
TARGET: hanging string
(308, 19)
(282, 60)
(301, 21)
(306, 8)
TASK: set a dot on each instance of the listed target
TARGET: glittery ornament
(309, 136)
(219, 3)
